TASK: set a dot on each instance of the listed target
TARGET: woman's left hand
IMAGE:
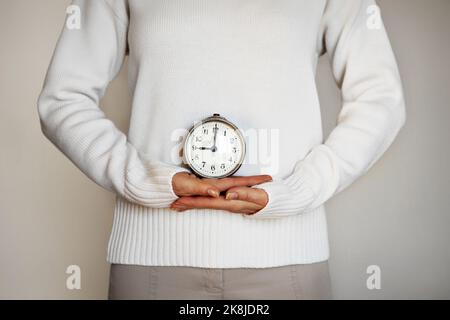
(243, 200)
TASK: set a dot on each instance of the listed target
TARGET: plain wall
(396, 217)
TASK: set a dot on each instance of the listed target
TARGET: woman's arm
(84, 62)
(372, 114)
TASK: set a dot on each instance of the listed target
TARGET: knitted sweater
(252, 61)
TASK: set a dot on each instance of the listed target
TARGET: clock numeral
(204, 163)
(213, 168)
(232, 140)
(231, 159)
(205, 131)
(222, 166)
(193, 148)
(234, 149)
(225, 133)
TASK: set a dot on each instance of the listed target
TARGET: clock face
(214, 149)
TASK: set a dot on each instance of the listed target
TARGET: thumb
(254, 195)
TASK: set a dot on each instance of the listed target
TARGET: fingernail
(232, 196)
(213, 193)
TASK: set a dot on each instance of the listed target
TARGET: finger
(187, 184)
(227, 183)
(200, 202)
(201, 188)
(198, 187)
(236, 206)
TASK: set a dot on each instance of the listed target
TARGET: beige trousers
(292, 282)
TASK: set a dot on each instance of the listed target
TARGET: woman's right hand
(186, 184)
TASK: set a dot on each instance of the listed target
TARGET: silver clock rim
(203, 121)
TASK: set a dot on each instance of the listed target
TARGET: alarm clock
(214, 148)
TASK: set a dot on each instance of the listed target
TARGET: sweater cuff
(150, 184)
(287, 197)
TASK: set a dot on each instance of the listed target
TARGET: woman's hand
(196, 193)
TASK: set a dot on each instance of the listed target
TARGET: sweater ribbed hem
(214, 238)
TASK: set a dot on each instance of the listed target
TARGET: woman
(262, 234)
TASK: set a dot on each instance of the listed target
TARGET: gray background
(396, 217)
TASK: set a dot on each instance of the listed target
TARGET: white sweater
(252, 61)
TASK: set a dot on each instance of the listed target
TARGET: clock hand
(205, 148)
(214, 147)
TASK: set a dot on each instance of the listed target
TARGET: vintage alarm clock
(214, 148)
